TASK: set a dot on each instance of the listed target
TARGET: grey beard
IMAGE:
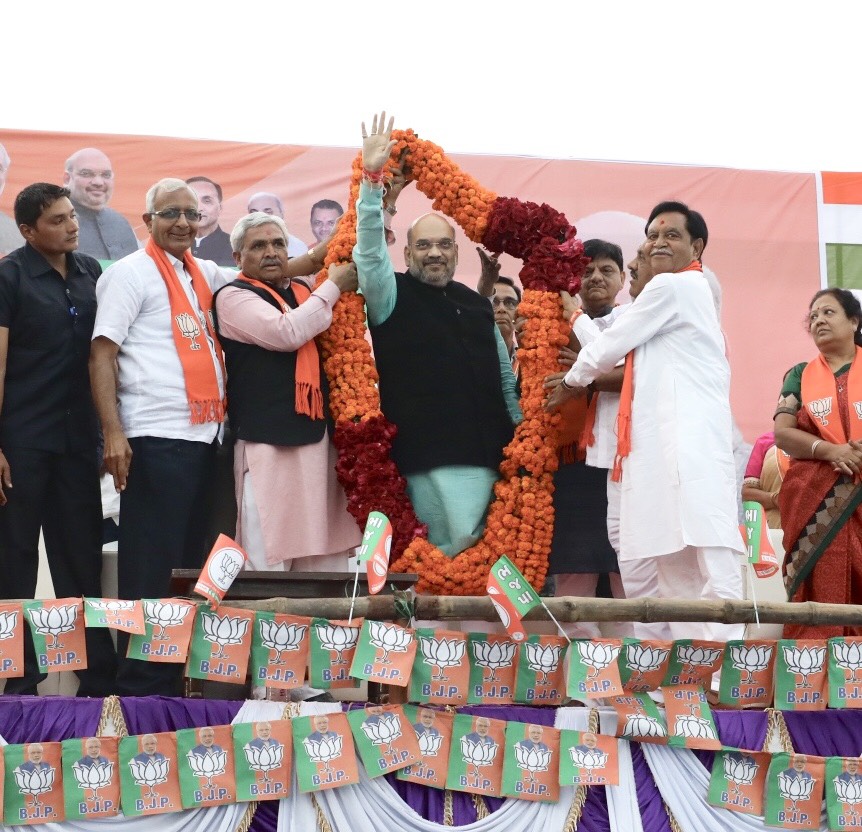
(420, 275)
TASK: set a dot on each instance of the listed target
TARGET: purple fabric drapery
(833, 733)
(48, 718)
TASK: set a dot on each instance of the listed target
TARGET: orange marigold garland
(521, 517)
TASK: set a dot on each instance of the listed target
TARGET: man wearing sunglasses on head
(158, 382)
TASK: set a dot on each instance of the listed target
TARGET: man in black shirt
(49, 470)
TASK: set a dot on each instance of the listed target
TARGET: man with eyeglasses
(49, 471)
(159, 387)
(445, 376)
(104, 233)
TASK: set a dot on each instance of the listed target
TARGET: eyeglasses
(509, 303)
(426, 245)
(86, 173)
(175, 213)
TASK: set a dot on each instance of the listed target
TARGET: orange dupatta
(199, 373)
(820, 398)
(309, 397)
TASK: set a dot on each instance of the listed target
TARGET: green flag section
(91, 778)
(693, 662)
(33, 783)
(385, 739)
(593, 669)
(220, 645)
(738, 780)
(493, 668)
(531, 763)
(325, 756)
(149, 780)
(843, 787)
(279, 649)
(643, 664)
(588, 759)
(333, 645)
(747, 674)
(11, 641)
(433, 730)
(755, 534)
(374, 551)
(384, 653)
(689, 719)
(441, 670)
(541, 678)
(800, 675)
(476, 755)
(638, 718)
(206, 766)
(794, 791)
(512, 596)
(127, 616)
(226, 560)
(168, 631)
(262, 759)
(845, 672)
(57, 628)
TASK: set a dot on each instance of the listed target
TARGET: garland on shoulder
(521, 517)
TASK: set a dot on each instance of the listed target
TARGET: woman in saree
(818, 423)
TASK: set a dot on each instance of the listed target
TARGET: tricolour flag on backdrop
(33, 783)
(531, 763)
(800, 675)
(738, 780)
(512, 596)
(843, 787)
(755, 535)
(476, 755)
(263, 753)
(493, 668)
(127, 616)
(441, 669)
(433, 730)
(845, 672)
(333, 645)
(91, 777)
(226, 560)
(205, 758)
(57, 627)
(840, 225)
(374, 550)
(149, 776)
(279, 649)
(169, 624)
(220, 645)
(11, 641)
(794, 791)
(593, 669)
(747, 674)
(689, 718)
(541, 678)
(384, 738)
(588, 759)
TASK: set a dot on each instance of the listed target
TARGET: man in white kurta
(678, 501)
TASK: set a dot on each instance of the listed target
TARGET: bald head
(431, 252)
(267, 203)
(90, 178)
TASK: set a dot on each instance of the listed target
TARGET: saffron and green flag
(512, 596)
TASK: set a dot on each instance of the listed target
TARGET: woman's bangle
(814, 445)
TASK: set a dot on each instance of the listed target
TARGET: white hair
(170, 184)
(237, 236)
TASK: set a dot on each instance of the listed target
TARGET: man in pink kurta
(292, 513)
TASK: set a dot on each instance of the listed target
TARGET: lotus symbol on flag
(151, 773)
(693, 656)
(324, 750)
(389, 638)
(227, 567)
(283, 638)
(111, 605)
(597, 655)
(35, 782)
(189, 328)
(264, 758)
(849, 792)
(208, 765)
(8, 622)
(804, 660)
(494, 655)
(478, 754)
(739, 769)
(52, 621)
(694, 727)
(164, 614)
(795, 788)
(750, 659)
(429, 744)
(588, 758)
(543, 658)
(531, 760)
(383, 731)
(223, 630)
(96, 776)
(848, 654)
(642, 658)
(641, 725)
(442, 653)
(337, 638)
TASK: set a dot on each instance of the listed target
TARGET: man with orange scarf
(292, 513)
(675, 455)
(159, 387)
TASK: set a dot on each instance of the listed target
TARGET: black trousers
(164, 520)
(57, 493)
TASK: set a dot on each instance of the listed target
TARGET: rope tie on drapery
(580, 798)
(112, 714)
(448, 810)
(776, 725)
(323, 824)
(480, 806)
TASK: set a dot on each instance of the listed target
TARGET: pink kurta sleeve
(244, 316)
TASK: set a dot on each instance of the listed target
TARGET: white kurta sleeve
(654, 311)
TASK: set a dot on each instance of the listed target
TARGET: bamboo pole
(570, 609)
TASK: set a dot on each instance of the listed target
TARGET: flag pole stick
(559, 626)
(753, 594)
(355, 589)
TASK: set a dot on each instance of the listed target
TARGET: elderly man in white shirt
(159, 386)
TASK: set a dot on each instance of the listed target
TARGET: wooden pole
(570, 609)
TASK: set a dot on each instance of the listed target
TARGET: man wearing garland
(446, 380)
(678, 513)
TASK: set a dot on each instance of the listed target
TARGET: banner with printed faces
(263, 754)
(588, 759)
(325, 754)
(531, 763)
(206, 766)
(843, 787)
(33, 784)
(384, 738)
(91, 777)
(476, 755)
(149, 776)
(433, 731)
(794, 791)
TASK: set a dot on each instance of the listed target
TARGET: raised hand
(377, 145)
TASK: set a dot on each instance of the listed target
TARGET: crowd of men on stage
(160, 366)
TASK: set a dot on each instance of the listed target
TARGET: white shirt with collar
(135, 313)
